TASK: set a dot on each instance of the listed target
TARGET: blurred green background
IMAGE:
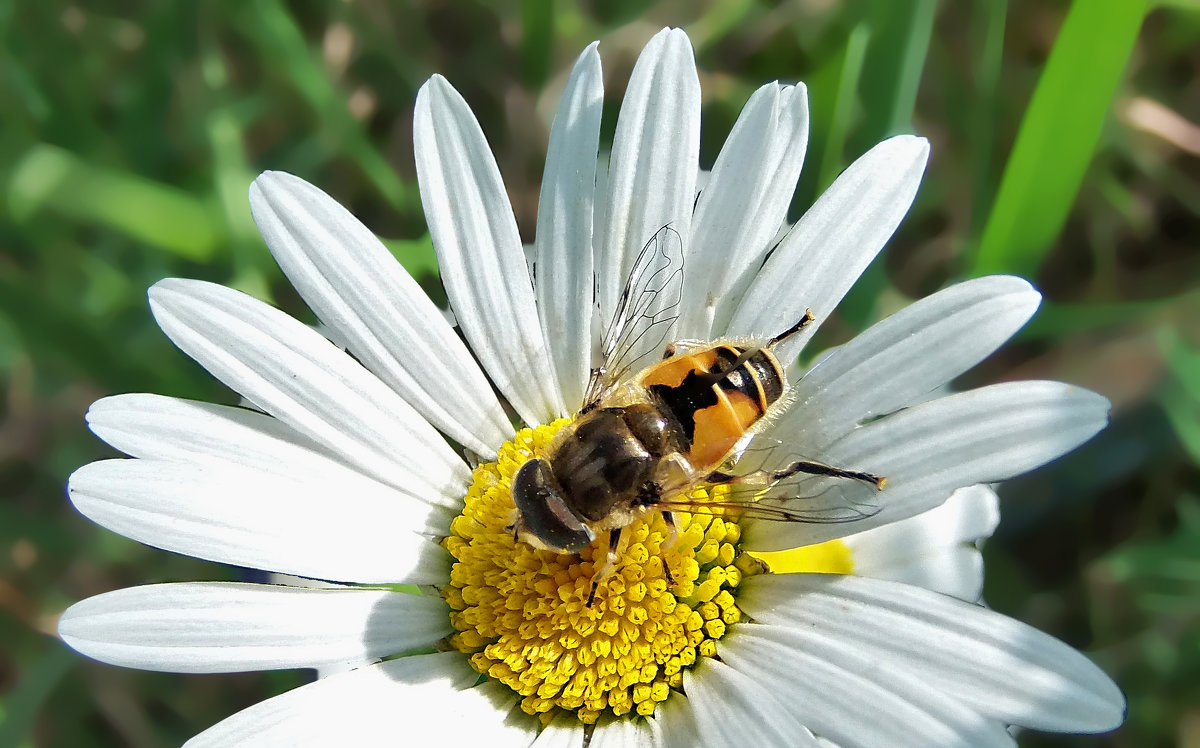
(1065, 149)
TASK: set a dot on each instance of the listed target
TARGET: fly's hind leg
(765, 478)
(609, 565)
(819, 468)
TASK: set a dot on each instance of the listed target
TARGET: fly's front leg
(672, 472)
(668, 544)
(608, 566)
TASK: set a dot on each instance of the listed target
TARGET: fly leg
(673, 470)
(606, 569)
(766, 478)
(668, 544)
(804, 321)
(683, 346)
(819, 468)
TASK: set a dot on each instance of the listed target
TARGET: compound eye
(544, 511)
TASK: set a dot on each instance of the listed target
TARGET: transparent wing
(645, 314)
(819, 493)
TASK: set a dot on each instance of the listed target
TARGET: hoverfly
(644, 443)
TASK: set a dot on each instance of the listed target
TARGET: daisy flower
(391, 462)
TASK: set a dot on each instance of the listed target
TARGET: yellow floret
(521, 614)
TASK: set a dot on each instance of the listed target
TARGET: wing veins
(645, 313)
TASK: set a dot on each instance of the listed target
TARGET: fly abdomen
(716, 395)
(753, 373)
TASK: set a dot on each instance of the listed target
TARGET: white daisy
(344, 471)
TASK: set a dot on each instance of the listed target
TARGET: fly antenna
(807, 318)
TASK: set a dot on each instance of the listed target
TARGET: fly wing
(645, 315)
(770, 480)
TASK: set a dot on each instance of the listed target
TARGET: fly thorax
(601, 465)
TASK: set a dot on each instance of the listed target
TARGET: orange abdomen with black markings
(715, 394)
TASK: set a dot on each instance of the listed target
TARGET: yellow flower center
(522, 617)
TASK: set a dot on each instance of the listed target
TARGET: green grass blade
(1055, 321)
(988, 22)
(719, 21)
(537, 42)
(1058, 135)
(416, 255)
(891, 75)
(283, 45)
(162, 216)
(900, 34)
(842, 111)
(232, 174)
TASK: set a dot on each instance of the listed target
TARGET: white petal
(956, 571)
(290, 371)
(376, 309)
(168, 428)
(241, 516)
(732, 709)
(380, 705)
(479, 251)
(826, 251)
(652, 173)
(841, 694)
(673, 722)
(600, 208)
(565, 731)
(518, 729)
(216, 627)
(563, 271)
(625, 732)
(165, 428)
(906, 356)
(1000, 667)
(934, 549)
(928, 451)
(612, 732)
(743, 205)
